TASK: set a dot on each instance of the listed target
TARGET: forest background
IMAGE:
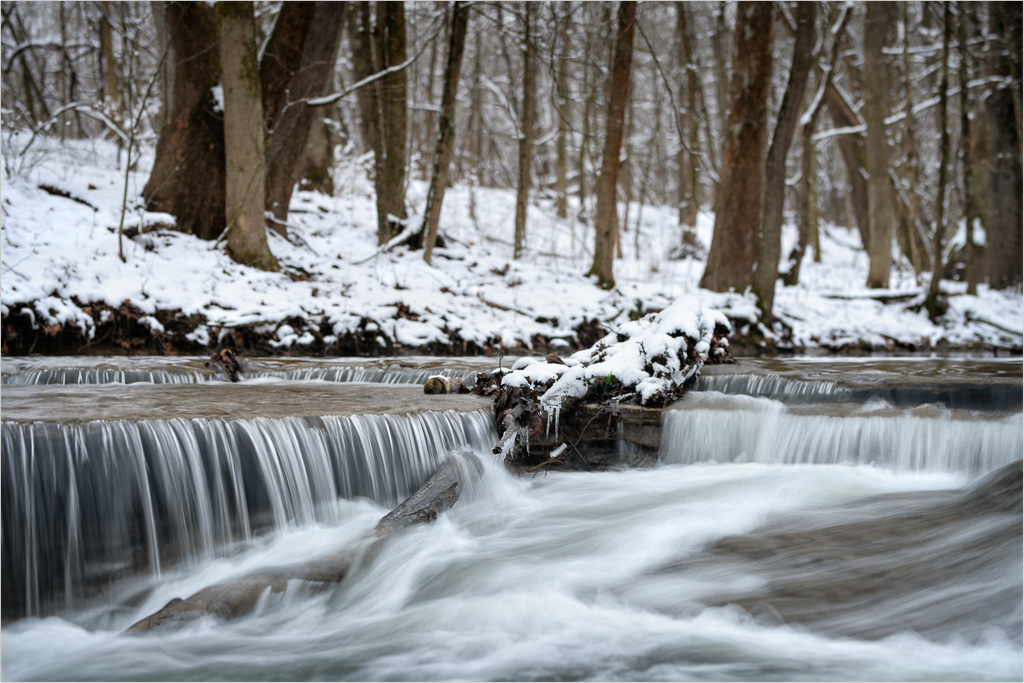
(289, 137)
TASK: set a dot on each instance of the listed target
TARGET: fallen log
(237, 597)
(648, 362)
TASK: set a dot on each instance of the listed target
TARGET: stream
(807, 519)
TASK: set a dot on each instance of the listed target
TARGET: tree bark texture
(767, 269)
(687, 194)
(187, 179)
(879, 17)
(562, 112)
(1004, 238)
(968, 175)
(244, 142)
(392, 93)
(526, 130)
(288, 131)
(940, 198)
(605, 219)
(446, 128)
(734, 243)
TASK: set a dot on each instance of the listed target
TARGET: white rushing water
(714, 427)
(567, 576)
(812, 539)
(86, 503)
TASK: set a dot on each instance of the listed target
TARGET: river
(806, 520)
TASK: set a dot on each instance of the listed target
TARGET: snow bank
(61, 270)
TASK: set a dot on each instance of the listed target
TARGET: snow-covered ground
(57, 251)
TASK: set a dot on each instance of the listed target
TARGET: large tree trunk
(526, 131)
(446, 128)
(1004, 238)
(876, 106)
(734, 244)
(288, 131)
(767, 270)
(187, 179)
(243, 137)
(605, 219)
(392, 93)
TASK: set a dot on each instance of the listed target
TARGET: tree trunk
(166, 51)
(390, 185)
(719, 41)
(968, 177)
(1004, 237)
(767, 269)
(562, 108)
(940, 195)
(187, 179)
(911, 223)
(476, 124)
(109, 62)
(243, 137)
(734, 243)
(876, 106)
(282, 57)
(605, 215)
(687, 195)
(288, 131)
(446, 131)
(526, 130)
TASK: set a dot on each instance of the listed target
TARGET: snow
(59, 255)
(647, 357)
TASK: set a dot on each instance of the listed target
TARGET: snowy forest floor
(65, 289)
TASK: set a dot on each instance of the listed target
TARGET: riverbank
(65, 290)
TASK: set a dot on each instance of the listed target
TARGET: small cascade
(371, 375)
(773, 386)
(84, 504)
(34, 377)
(712, 427)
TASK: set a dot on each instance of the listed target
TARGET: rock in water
(439, 384)
(227, 362)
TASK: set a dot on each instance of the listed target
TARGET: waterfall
(712, 427)
(71, 375)
(86, 503)
(773, 386)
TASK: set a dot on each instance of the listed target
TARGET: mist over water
(773, 541)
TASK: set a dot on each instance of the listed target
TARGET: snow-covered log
(649, 362)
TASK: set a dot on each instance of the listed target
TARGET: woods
(901, 122)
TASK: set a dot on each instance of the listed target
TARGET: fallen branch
(649, 362)
(237, 597)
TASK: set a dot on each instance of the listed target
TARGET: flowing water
(782, 536)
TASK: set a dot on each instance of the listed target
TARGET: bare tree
(446, 128)
(243, 137)
(526, 129)
(766, 272)
(306, 77)
(734, 243)
(187, 179)
(876, 106)
(1004, 243)
(605, 218)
